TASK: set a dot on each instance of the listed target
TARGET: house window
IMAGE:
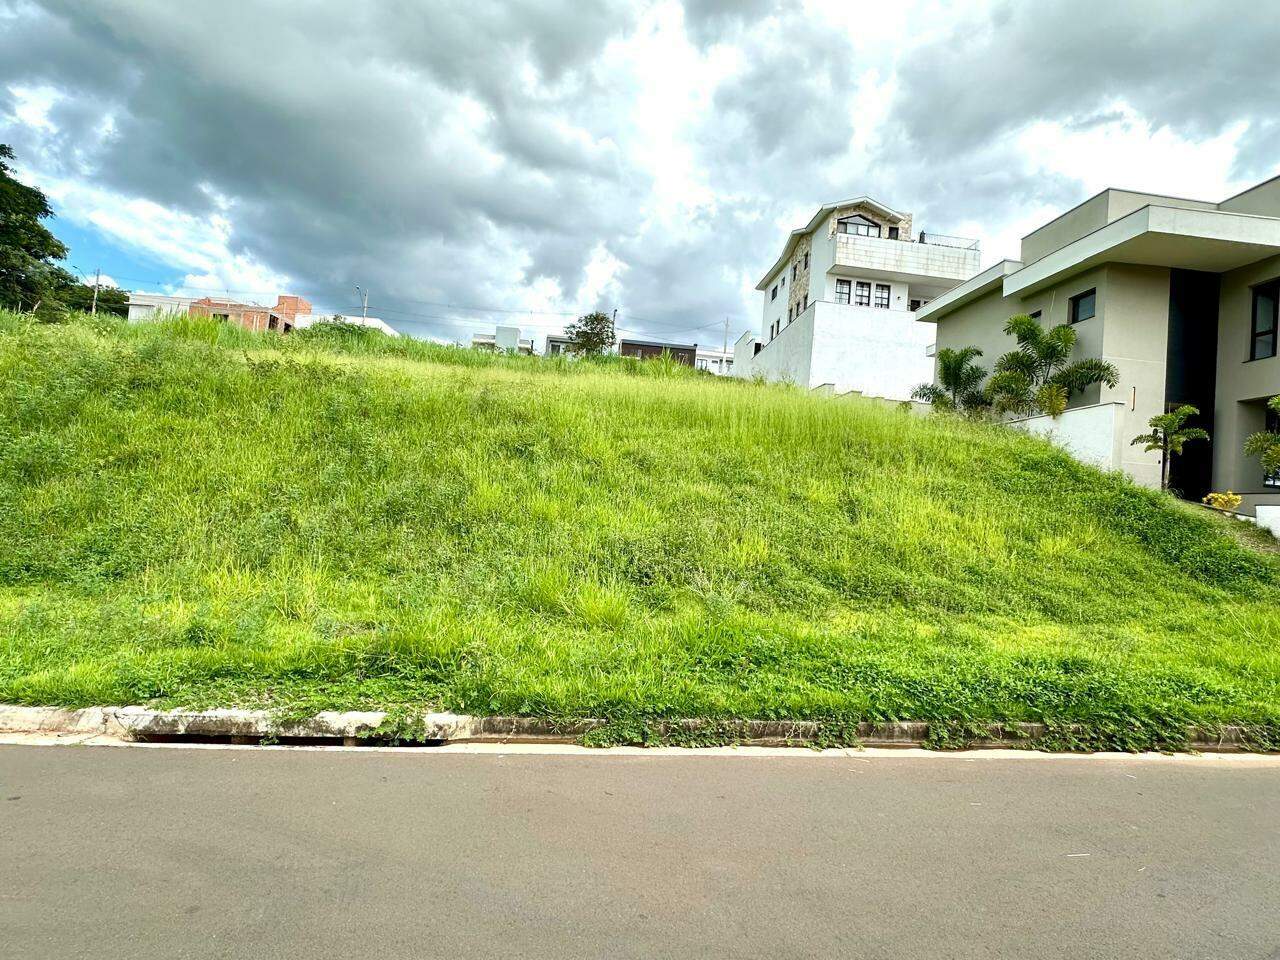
(702, 363)
(862, 294)
(1035, 315)
(788, 314)
(858, 226)
(914, 305)
(774, 294)
(843, 288)
(1262, 336)
(783, 284)
(882, 296)
(1084, 305)
(893, 233)
(795, 269)
(806, 301)
(806, 260)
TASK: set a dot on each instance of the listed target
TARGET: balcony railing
(931, 259)
(942, 240)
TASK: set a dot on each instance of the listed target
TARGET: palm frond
(1085, 373)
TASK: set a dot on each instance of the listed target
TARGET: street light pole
(364, 304)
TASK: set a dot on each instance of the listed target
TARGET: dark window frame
(858, 226)
(887, 291)
(1074, 309)
(862, 293)
(1258, 335)
(846, 292)
(806, 259)
(774, 294)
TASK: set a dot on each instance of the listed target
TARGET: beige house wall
(1243, 386)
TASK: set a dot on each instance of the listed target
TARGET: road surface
(175, 852)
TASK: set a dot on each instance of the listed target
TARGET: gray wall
(1243, 386)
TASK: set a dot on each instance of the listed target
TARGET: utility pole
(364, 304)
(97, 279)
(725, 348)
(613, 326)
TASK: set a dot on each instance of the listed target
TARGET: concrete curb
(356, 727)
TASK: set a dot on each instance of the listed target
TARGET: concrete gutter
(354, 728)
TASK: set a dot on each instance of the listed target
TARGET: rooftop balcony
(933, 257)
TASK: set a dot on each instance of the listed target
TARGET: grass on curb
(194, 515)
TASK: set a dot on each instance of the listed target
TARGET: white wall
(1092, 434)
(787, 356)
(1269, 518)
(876, 352)
(151, 306)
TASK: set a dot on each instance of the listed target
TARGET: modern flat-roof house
(719, 362)
(685, 353)
(151, 306)
(840, 302)
(1180, 295)
(507, 339)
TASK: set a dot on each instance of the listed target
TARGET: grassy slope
(194, 515)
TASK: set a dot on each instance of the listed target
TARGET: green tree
(1266, 446)
(79, 296)
(959, 385)
(28, 274)
(591, 334)
(1168, 434)
(1039, 377)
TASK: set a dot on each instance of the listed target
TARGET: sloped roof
(823, 212)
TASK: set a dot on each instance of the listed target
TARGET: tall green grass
(191, 514)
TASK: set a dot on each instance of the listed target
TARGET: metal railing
(942, 240)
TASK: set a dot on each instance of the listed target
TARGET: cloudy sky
(479, 162)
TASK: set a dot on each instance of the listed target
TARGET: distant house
(254, 316)
(506, 339)
(650, 350)
(840, 302)
(719, 362)
(151, 306)
(557, 343)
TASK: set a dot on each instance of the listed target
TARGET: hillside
(192, 515)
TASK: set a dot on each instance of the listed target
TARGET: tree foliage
(1039, 376)
(959, 385)
(30, 277)
(591, 334)
(1266, 446)
(1168, 435)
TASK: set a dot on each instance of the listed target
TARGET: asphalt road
(146, 852)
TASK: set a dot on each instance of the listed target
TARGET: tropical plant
(1168, 434)
(1039, 376)
(959, 385)
(1265, 445)
(591, 334)
(1223, 501)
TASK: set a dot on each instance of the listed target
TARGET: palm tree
(959, 381)
(1266, 446)
(1168, 435)
(1038, 376)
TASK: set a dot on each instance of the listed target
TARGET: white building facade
(840, 302)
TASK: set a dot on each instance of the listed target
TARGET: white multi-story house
(840, 302)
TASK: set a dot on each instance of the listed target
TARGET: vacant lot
(191, 515)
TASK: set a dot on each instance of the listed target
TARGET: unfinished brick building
(254, 316)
